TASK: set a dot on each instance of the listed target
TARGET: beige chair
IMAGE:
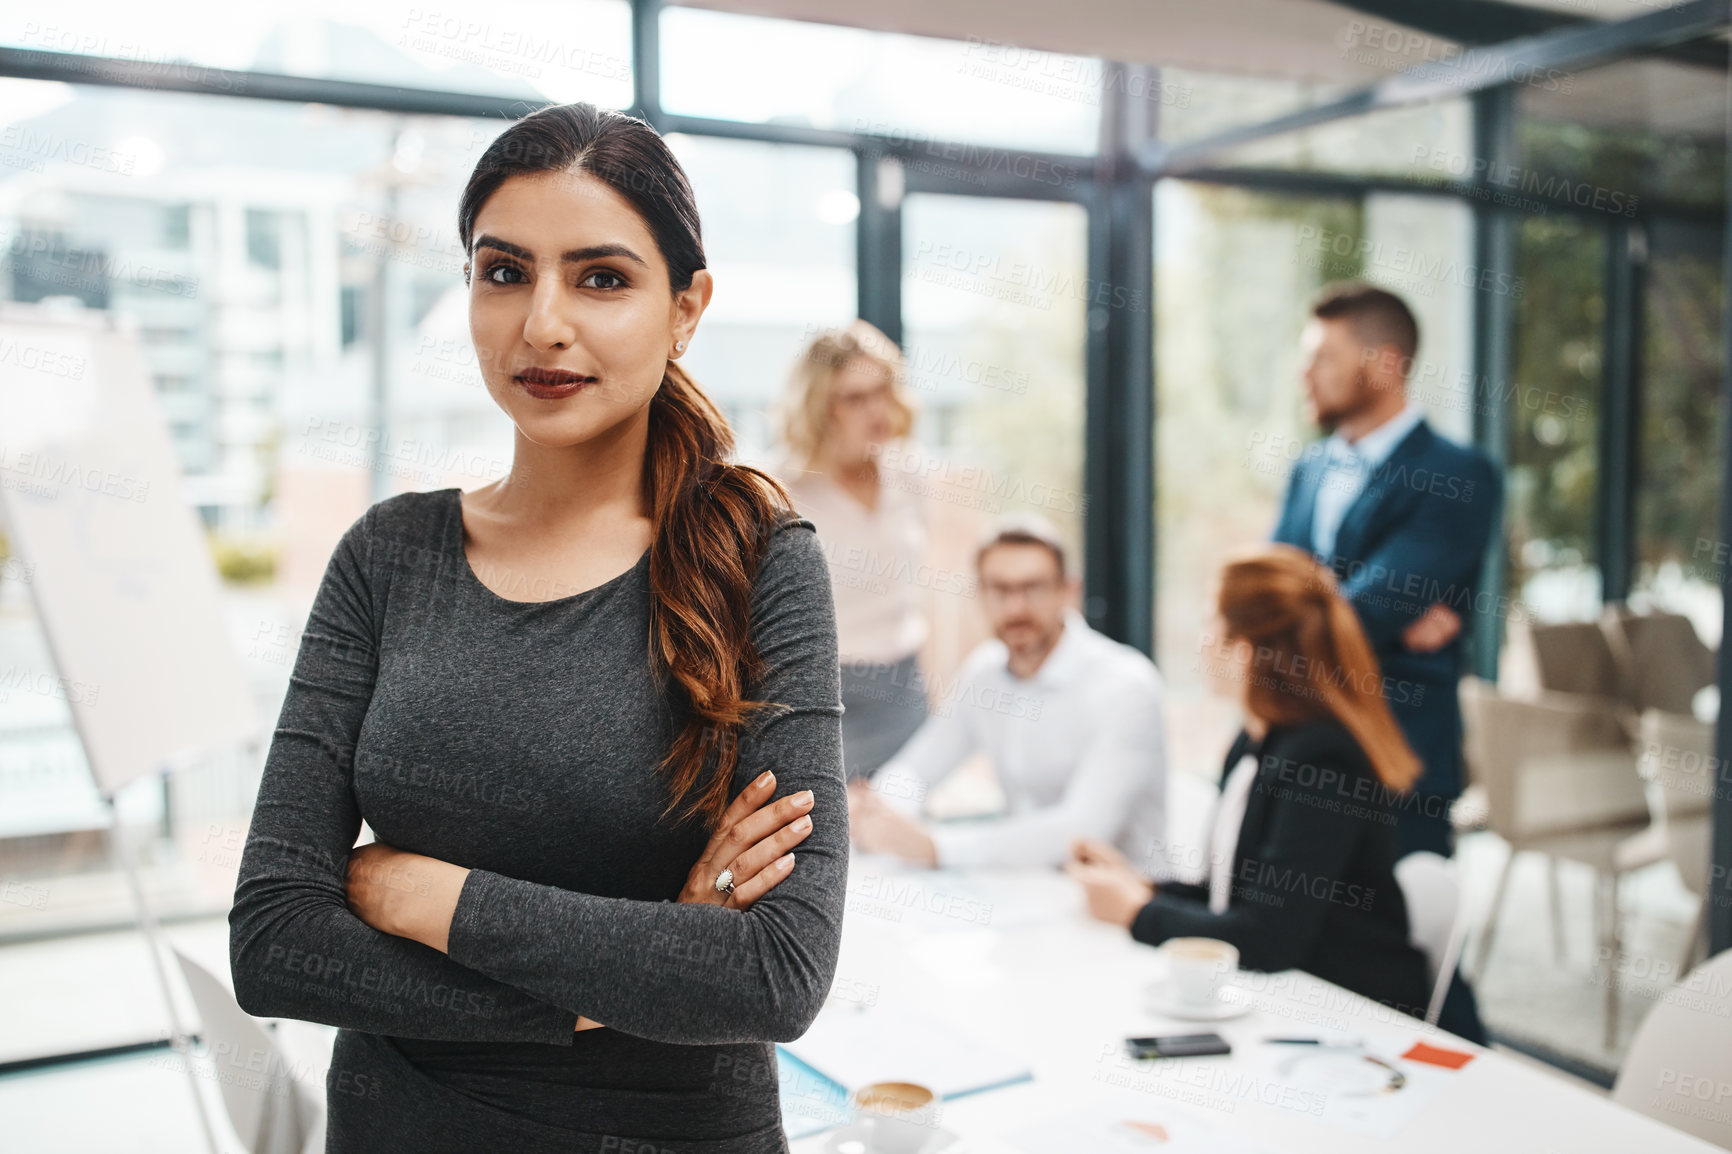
(1667, 664)
(1632, 662)
(1432, 895)
(1559, 778)
(1676, 758)
(1646, 669)
(1679, 1064)
(1584, 659)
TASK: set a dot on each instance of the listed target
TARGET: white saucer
(851, 1139)
(1231, 1003)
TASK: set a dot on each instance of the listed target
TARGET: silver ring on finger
(725, 882)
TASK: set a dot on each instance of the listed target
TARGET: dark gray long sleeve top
(520, 739)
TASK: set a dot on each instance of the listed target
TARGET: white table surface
(1012, 958)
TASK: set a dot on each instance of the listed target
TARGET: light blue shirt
(1347, 465)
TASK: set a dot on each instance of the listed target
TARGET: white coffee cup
(1199, 968)
(895, 1117)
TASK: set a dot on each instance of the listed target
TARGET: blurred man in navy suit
(1403, 517)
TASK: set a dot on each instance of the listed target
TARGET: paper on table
(1133, 1124)
(1352, 1092)
(884, 891)
(1021, 897)
(885, 1044)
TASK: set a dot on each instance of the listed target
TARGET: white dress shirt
(1347, 466)
(1224, 836)
(877, 563)
(1079, 750)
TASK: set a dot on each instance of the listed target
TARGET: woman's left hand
(1115, 892)
(406, 894)
(754, 841)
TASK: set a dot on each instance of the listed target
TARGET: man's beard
(1364, 397)
(1029, 633)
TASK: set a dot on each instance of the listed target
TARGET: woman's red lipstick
(551, 384)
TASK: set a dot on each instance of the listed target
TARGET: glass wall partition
(994, 297)
(778, 223)
(294, 276)
(1234, 271)
(534, 50)
(1680, 565)
(1551, 477)
(1235, 274)
(757, 70)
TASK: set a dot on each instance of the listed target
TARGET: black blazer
(1313, 883)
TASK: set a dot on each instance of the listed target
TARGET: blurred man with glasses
(1069, 719)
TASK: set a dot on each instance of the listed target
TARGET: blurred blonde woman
(846, 403)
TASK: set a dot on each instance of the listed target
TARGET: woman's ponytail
(711, 520)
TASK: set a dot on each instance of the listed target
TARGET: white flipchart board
(123, 582)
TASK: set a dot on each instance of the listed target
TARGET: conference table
(1011, 961)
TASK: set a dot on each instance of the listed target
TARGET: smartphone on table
(1178, 1046)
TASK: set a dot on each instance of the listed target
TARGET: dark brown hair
(1378, 316)
(1310, 658)
(711, 518)
(1023, 530)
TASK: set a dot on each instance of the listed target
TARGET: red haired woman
(1302, 856)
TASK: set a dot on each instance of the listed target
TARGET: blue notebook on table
(849, 1048)
(811, 1103)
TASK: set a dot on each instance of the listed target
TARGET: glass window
(539, 50)
(766, 71)
(1228, 426)
(1201, 104)
(1236, 274)
(1552, 481)
(1421, 248)
(46, 264)
(1642, 129)
(264, 247)
(994, 298)
(1679, 565)
(350, 304)
(176, 225)
(778, 223)
(1431, 142)
(232, 253)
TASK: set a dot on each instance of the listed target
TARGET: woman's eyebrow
(574, 256)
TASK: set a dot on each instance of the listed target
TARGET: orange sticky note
(1438, 1056)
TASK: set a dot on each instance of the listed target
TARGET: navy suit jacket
(1416, 535)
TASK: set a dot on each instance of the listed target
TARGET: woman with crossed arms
(611, 829)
